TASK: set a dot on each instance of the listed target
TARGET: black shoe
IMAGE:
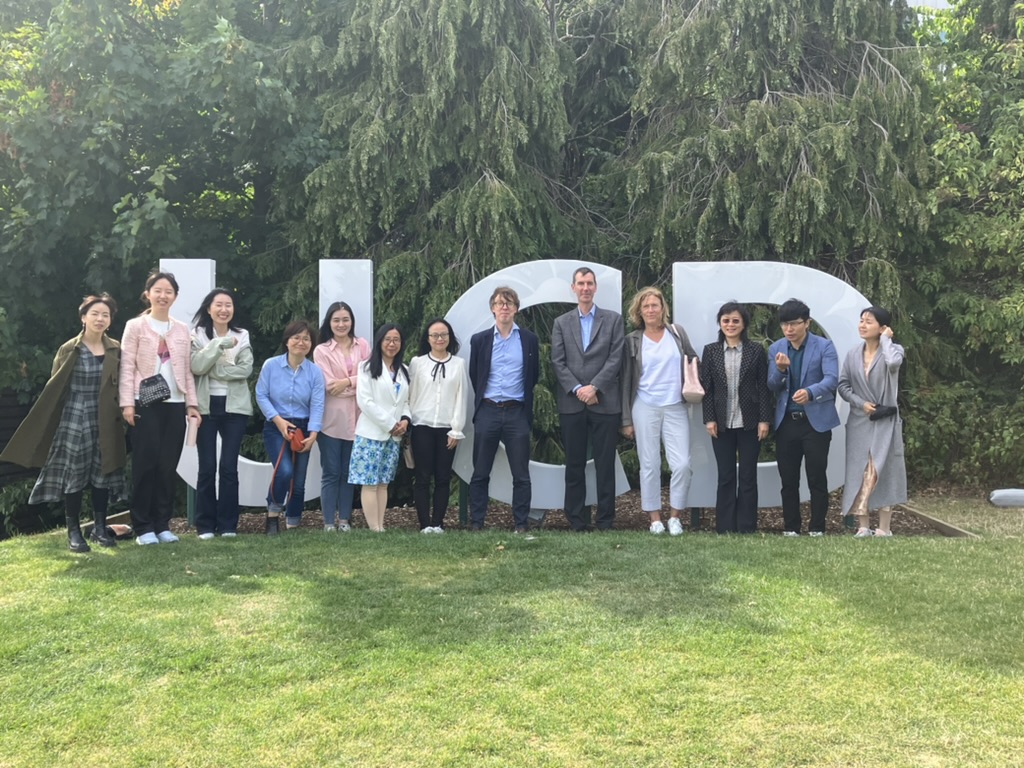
(75, 541)
(476, 528)
(522, 529)
(273, 526)
(102, 536)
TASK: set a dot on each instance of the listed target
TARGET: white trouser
(669, 424)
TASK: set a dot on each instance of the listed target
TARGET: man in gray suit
(586, 352)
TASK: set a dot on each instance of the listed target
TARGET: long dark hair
(326, 334)
(202, 318)
(727, 309)
(453, 341)
(376, 361)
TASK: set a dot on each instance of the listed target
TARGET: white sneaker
(863, 533)
(658, 527)
(883, 534)
(438, 529)
(675, 528)
(816, 533)
(229, 535)
(205, 536)
(166, 537)
(344, 526)
(147, 538)
(790, 533)
(329, 529)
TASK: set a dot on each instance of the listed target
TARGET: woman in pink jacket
(156, 355)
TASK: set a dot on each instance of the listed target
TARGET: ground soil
(628, 517)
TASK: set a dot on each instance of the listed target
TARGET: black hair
(727, 309)
(154, 277)
(326, 334)
(453, 341)
(98, 298)
(294, 328)
(883, 316)
(376, 361)
(794, 309)
(202, 319)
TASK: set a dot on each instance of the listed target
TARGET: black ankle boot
(273, 525)
(100, 534)
(75, 541)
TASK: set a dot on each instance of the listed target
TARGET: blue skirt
(374, 462)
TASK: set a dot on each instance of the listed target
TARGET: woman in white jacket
(382, 394)
(222, 362)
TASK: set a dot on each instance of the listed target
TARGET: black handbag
(153, 390)
(883, 412)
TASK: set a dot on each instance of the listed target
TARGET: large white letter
(699, 289)
(536, 282)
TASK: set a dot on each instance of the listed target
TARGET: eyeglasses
(301, 339)
(503, 304)
(792, 324)
(391, 340)
(437, 336)
(730, 321)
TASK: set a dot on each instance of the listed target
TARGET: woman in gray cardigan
(876, 474)
(222, 363)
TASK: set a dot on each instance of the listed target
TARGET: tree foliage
(446, 139)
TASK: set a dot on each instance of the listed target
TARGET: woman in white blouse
(653, 410)
(383, 398)
(438, 406)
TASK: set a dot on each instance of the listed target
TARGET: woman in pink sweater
(157, 348)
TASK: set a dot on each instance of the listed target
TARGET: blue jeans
(290, 474)
(218, 512)
(335, 489)
(510, 426)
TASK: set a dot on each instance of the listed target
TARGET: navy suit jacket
(481, 345)
(819, 376)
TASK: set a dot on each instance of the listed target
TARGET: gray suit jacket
(600, 364)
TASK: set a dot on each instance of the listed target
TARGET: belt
(797, 415)
(504, 403)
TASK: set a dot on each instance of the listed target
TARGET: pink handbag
(693, 392)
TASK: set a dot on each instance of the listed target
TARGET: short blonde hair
(634, 306)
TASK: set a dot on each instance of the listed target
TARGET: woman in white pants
(653, 410)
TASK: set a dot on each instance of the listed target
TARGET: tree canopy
(446, 139)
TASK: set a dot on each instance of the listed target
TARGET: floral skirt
(374, 462)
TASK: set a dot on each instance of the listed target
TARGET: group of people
(609, 381)
(361, 404)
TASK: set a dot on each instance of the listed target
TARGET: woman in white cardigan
(382, 394)
(155, 344)
(438, 407)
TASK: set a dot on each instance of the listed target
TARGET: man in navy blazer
(504, 368)
(803, 372)
(586, 353)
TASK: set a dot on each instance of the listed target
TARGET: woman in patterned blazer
(737, 412)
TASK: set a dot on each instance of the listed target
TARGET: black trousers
(433, 462)
(796, 441)
(601, 432)
(157, 439)
(736, 504)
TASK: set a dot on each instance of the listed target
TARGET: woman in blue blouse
(290, 392)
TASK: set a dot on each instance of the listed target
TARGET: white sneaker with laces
(329, 529)
(147, 538)
(883, 534)
(205, 536)
(863, 533)
(658, 527)
(428, 529)
(790, 533)
(816, 534)
(344, 526)
(229, 535)
(166, 537)
(675, 528)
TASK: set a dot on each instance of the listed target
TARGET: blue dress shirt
(297, 394)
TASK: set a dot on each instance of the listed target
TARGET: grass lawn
(496, 650)
(973, 513)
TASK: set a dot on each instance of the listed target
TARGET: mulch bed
(628, 517)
